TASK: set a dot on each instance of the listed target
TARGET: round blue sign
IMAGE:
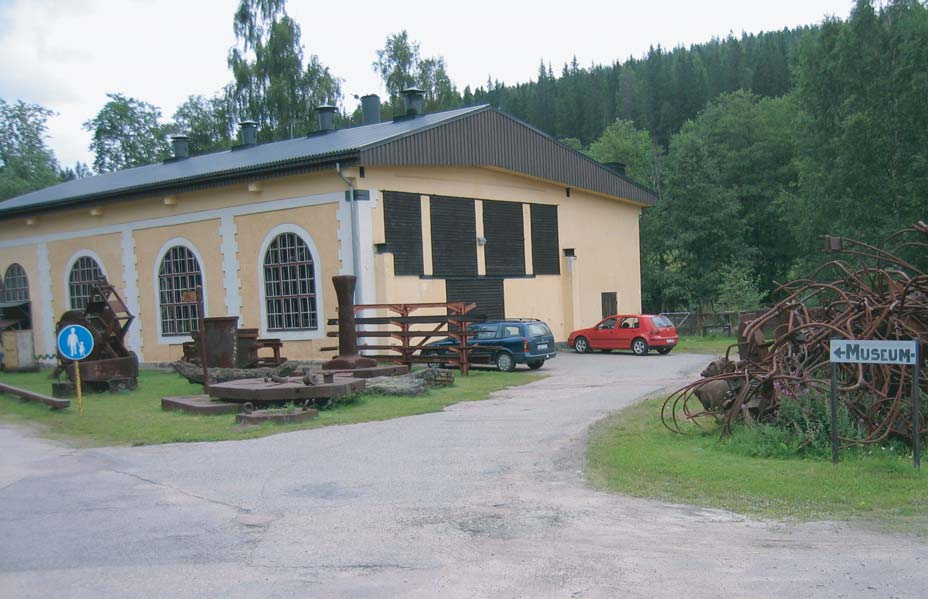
(75, 342)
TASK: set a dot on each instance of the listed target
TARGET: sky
(68, 54)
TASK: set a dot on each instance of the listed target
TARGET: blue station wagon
(504, 343)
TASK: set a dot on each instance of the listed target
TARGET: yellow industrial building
(467, 204)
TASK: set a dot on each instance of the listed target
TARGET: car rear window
(660, 321)
(538, 329)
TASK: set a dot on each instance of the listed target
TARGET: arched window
(290, 285)
(15, 284)
(178, 274)
(84, 274)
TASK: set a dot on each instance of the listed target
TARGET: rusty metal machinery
(883, 296)
(111, 365)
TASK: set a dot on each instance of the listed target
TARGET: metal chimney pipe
(370, 109)
(181, 146)
(326, 114)
(249, 131)
(412, 101)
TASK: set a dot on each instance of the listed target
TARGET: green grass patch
(632, 453)
(136, 418)
(709, 344)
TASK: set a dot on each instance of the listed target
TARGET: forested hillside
(756, 144)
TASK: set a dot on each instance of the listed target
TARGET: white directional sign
(856, 351)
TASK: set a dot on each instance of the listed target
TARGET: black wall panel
(454, 237)
(488, 293)
(505, 248)
(402, 215)
(545, 257)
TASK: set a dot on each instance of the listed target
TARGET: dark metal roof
(493, 138)
(472, 136)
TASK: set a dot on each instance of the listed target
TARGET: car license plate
(670, 342)
(542, 346)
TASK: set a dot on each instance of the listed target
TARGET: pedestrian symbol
(75, 342)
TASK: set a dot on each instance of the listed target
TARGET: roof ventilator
(249, 131)
(326, 114)
(181, 146)
(412, 101)
(370, 109)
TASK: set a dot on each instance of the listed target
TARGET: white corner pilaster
(130, 277)
(230, 281)
(48, 310)
(345, 250)
(367, 275)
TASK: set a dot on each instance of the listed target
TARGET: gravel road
(483, 500)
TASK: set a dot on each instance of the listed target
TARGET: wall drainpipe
(355, 248)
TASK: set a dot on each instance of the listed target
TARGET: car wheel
(664, 350)
(581, 345)
(536, 364)
(505, 362)
(639, 346)
(432, 364)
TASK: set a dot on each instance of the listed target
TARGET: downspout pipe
(355, 243)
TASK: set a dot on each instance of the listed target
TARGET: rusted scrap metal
(882, 296)
(52, 402)
(348, 357)
(111, 365)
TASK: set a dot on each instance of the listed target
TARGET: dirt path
(485, 499)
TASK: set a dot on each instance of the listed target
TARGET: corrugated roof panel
(492, 138)
(473, 136)
(229, 162)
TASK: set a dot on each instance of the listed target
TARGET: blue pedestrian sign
(75, 342)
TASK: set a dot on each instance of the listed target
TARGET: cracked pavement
(484, 499)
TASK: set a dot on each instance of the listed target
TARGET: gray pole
(834, 413)
(917, 408)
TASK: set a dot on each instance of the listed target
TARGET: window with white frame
(290, 285)
(178, 277)
(84, 274)
(15, 284)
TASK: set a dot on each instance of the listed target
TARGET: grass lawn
(136, 418)
(632, 453)
(710, 344)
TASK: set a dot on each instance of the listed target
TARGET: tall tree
(635, 148)
(26, 162)
(274, 83)
(206, 121)
(864, 157)
(127, 133)
(400, 66)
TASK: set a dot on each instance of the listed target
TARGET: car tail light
(525, 345)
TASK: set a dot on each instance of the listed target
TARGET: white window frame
(67, 271)
(320, 331)
(176, 241)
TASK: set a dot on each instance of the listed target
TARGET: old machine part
(884, 297)
(231, 347)
(111, 365)
(348, 356)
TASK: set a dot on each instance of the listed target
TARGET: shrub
(801, 427)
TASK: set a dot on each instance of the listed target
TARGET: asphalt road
(485, 499)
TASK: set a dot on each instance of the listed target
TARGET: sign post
(75, 342)
(858, 351)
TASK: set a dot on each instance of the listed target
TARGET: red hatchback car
(637, 332)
